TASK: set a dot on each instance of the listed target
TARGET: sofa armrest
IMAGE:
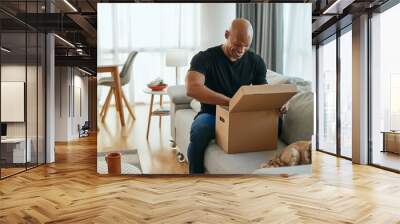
(179, 101)
(177, 94)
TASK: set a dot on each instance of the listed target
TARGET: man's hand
(284, 109)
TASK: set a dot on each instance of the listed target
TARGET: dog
(298, 153)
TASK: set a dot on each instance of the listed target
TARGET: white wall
(33, 126)
(70, 83)
(81, 84)
(16, 73)
(215, 19)
(61, 103)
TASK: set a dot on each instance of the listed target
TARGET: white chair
(125, 76)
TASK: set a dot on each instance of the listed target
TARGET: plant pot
(113, 160)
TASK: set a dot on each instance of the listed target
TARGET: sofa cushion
(216, 161)
(301, 84)
(298, 123)
(275, 78)
(195, 105)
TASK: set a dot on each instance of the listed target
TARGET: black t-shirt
(226, 77)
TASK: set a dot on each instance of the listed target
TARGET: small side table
(158, 112)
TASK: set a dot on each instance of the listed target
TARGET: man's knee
(200, 132)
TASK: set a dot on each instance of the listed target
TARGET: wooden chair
(125, 76)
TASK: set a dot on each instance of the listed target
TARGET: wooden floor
(156, 155)
(10, 171)
(70, 191)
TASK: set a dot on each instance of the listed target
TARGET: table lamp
(177, 58)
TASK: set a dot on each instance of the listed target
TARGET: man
(214, 77)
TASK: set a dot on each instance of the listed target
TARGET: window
(334, 106)
(385, 84)
(394, 102)
(346, 94)
(22, 66)
(150, 29)
(327, 97)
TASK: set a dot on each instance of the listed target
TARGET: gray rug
(130, 162)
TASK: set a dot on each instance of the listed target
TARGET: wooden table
(157, 112)
(391, 141)
(113, 69)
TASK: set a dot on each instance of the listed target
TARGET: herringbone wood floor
(70, 191)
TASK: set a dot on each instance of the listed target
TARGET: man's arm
(261, 73)
(195, 88)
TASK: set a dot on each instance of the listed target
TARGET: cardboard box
(250, 123)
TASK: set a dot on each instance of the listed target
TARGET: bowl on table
(158, 87)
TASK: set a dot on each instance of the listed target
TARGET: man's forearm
(208, 96)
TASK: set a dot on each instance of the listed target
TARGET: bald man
(214, 77)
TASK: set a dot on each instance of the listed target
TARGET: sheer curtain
(297, 41)
(282, 36)
(150, 29)
(267, 21)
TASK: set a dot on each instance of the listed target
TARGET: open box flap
(261, 97)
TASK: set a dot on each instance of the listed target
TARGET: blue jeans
(201, 133)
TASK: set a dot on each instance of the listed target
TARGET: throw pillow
(274, 78)
(302, 85)
(298, 123)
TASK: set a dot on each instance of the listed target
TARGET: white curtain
(150, 29)
(297, 41)
(282, 36)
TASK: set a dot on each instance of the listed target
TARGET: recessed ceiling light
(338, 6)
(70, 5)
(64, 40)
(5, 50)
(86, 72)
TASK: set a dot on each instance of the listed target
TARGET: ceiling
(332, 15)
(74, 21)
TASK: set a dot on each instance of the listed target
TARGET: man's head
(238, 38)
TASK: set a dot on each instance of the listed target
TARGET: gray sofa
(297, 125)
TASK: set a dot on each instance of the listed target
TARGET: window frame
(381, 9)
(334, 37)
